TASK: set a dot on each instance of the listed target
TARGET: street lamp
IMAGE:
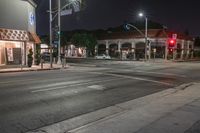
(146, 37)
(59, 30)
(50, 34)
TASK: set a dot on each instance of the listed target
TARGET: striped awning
(13, 35)
(18, 35)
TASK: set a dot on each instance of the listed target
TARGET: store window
(2, 58)
(10, 52)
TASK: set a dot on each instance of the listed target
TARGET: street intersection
(31, 100)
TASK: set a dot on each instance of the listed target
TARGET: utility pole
(50, 33)
(59, 27)
(146, 41)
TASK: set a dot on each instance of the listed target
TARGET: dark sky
(179, 15)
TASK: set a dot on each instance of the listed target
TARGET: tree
(44, 39)
(30, 57)
(64, 38)
(37, 55)
(186, 32)
(85, 40)
(197, 42)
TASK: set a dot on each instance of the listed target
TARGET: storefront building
(17, 31)
(75, 52)
(132, 45)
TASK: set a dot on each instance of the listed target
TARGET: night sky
(178, 15)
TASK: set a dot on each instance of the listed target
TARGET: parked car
(45, 56)
(103, 56)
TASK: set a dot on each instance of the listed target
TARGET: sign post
(154, 53)
(174, 36)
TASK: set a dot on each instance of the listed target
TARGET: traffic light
(171, 43)
(171, 50)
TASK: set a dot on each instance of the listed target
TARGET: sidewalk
(19, 68)
(173, 110)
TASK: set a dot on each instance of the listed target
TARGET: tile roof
(152, 33)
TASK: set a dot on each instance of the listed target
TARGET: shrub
(30, 58)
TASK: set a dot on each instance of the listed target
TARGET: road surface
(30, 100)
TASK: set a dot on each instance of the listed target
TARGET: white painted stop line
(135, 78)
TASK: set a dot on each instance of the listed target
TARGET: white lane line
(16, 81)
(41, 80)
(60, 84)
(160, 73)
(136, 78)
(97, 87)
(72, 85)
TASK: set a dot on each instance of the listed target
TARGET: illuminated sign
(31, 18)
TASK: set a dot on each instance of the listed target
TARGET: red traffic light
(172, 42)
(170, 50)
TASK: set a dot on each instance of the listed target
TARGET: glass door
(2, 53)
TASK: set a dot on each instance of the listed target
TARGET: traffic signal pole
(166, 50)
(146, 41)
(50, 34)
(59, 24)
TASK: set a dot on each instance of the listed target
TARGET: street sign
(77, 5)
(55, 42)
(154, 50)
(31, 18)
(55, 45)
(66, 12)
(174, 36)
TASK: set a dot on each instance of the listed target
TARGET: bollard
(63, 62)
(54, 60)
(21, 66)
(41, 62)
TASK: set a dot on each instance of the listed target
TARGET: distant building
(75, 52)
(17, 31)
(131, 44)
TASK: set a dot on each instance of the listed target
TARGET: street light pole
(59, 27)
(146, 37)
(50, 33)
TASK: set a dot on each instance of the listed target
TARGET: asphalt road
(30, 100)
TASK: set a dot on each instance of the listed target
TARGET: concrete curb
(29, 70)
(158, 114)
(103, 115)
(82, 65)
